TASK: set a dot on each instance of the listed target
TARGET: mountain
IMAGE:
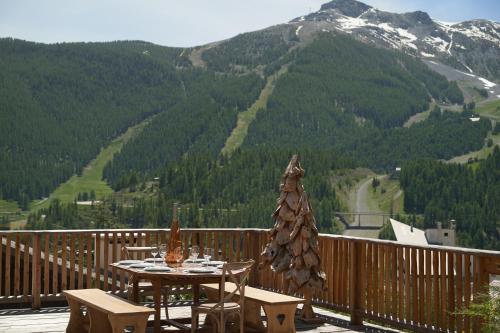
(471, 46)
(337, 87)
(353, 103)
(61, 103)
(467, 52)
(348, 96)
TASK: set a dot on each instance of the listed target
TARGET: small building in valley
(442, 236)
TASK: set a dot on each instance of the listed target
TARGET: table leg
(196, 294)
(157, 300)
(135, 289)
(196, 297)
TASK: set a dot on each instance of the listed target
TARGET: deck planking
(55, 319)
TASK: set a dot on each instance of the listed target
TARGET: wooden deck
(54, 320)
(408, 286)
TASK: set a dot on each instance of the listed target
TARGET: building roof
(408, 235)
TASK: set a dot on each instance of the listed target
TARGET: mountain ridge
(471, 46)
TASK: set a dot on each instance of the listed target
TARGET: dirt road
(362, 203)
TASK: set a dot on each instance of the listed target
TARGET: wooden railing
(421, 288)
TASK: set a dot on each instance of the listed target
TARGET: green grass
(16, 218)
(489, 110)
(7, 206)
(245, 118)
(387, 194)
(479, 154)
(469, 92)
(91, 178)
(416, 118)
(344, 182)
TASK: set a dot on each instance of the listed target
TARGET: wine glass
(194, 252)
(154, 252)
(162, 250)
(178, 255)
(208, 254)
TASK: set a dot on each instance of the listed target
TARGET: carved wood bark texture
(293, 248)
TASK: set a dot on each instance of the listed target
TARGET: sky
(186, 23)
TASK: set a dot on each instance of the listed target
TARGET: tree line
(60, 103)
(344, 94)
(213, 192)
(467, 193)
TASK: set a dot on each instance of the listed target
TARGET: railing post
(35, 271)
(255, 255)
(355, 283)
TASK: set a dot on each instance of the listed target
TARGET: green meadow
(91, 178)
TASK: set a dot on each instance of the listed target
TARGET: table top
(177, 273)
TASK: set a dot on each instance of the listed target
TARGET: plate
(153, 260)
(213, 263)
(200, 270)
(196, 261)
(158, 269)
(141, 265)
(129, 262)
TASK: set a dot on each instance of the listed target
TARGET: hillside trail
(91, 177)
(246, 117)
(489, 111)
(361, 201)
(195, 56)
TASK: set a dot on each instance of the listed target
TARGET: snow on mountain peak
(470, 46)
(415, 32)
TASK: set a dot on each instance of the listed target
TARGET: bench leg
(252, 316)
(76, 318)
(280, 318)
(119, 323)
(99, 322)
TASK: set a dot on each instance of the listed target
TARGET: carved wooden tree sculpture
(293, 241)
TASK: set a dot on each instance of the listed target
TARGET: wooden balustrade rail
(416, 287)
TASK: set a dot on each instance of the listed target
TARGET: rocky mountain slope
(471, 46)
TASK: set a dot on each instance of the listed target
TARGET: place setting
(201, 265)
(156, 263)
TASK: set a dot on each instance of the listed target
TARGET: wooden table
(178, 276)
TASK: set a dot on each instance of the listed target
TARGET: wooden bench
(279, 308)
(105, 313)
